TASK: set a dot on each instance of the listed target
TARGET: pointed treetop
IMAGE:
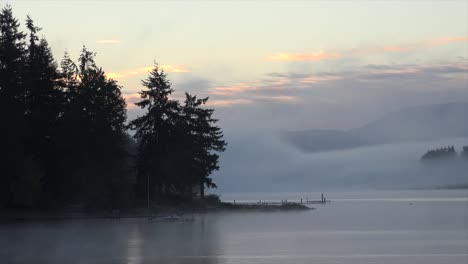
(32, 29)
(9, 26)
(87, 59)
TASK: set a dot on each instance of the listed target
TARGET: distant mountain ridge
(418, 123)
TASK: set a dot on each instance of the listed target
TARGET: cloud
(394, 48)
(359, 52)
(281, 98)
(341, 87)
(173, 68)
(272, 83)
(107, 41)
(275, 88)
(319, 56)
(227, 103)
(231, 90)
(146, 70)
(317, 79)
(340, 98)
(448, 40)
(406, 47)
(411, 71)
(114, 75)
(131, 99)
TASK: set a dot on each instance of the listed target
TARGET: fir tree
(12, 103)
(154, 132)
(206, 140)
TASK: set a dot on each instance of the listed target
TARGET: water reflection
(361, 231)
(169, 242)
(134, 247)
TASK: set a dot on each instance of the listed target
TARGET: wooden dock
(318, 202)
(282, 202)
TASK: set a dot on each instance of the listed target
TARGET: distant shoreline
(446, 187)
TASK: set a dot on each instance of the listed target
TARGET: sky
(275, 66)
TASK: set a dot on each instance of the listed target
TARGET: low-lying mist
(258, 162)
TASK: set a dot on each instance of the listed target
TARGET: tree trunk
(202, 191)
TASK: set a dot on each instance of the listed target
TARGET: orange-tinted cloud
(114, 75)
(145, 70)
(303, 56)
(107, 41)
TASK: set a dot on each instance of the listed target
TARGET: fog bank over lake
(263, 162)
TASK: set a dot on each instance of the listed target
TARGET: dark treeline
(65, 136)
(444, 153)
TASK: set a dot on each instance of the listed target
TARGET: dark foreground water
(357, 227)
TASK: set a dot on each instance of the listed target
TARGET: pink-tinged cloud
(448, 40)
(284, 98)
(107, 41)
(231, 90)
(415, 46)
(319, 56)
(274, 83)
(227, 103)
(395, 48)
(391, 48)
(131, 99)
(317, 79)
(399, 71)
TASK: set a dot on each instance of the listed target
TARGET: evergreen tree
(65, 145)
(206, 140)
(12, 104)
(44, 97)
(178, 145)
(154, 133)
(65, 139)
(44, 100)
(92, 135)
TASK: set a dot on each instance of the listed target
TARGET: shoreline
(157, 213)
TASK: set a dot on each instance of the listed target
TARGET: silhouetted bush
(212, 198)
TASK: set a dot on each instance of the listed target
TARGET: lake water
(356, 227)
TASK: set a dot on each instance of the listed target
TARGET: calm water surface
(357, 227)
